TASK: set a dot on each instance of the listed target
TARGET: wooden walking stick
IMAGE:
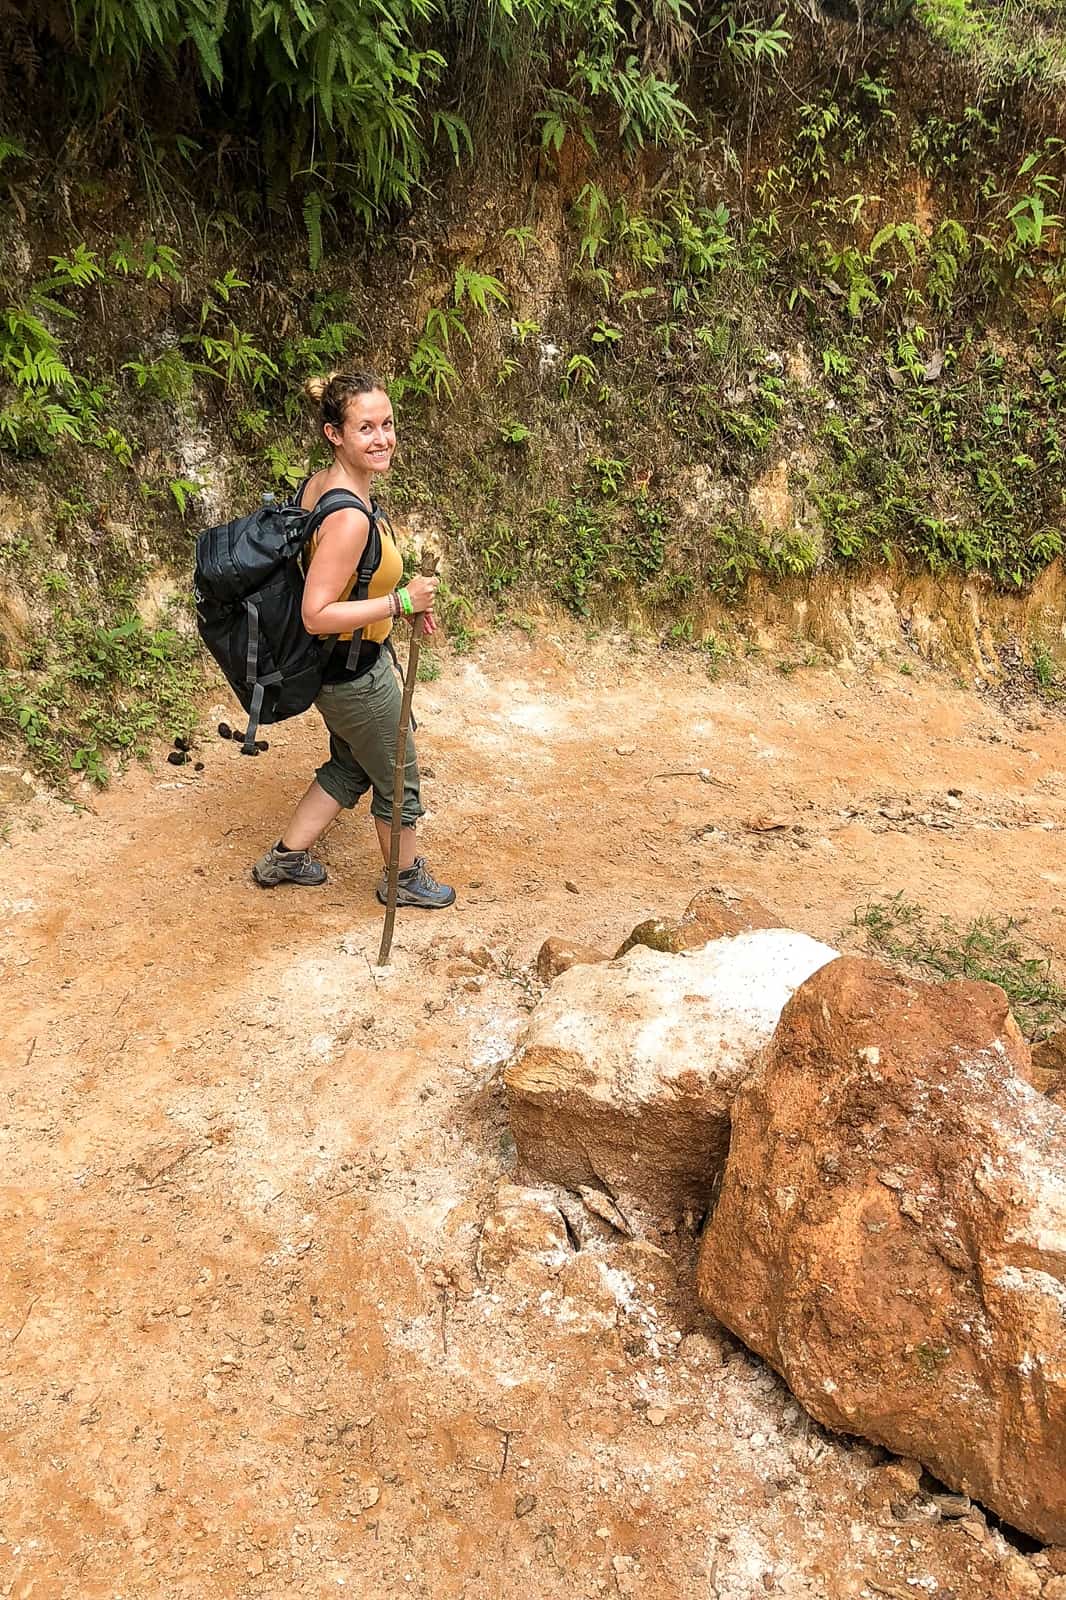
(429, 568)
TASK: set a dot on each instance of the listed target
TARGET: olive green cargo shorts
(363, 717)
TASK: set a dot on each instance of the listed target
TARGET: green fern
(457, 133)
(479, 288)
(206, 40)
(312, 215)
(184, 490)
(12, 149)
(76, 271)
(341, 97)
(40, 369)
(238, 359)
(521, 237)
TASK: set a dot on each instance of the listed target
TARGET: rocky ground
(250, 1341)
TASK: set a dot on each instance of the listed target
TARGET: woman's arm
(337, 557)
(340, 549)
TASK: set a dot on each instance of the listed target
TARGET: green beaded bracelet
(405, 602)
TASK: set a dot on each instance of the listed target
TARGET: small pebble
(951, 1505)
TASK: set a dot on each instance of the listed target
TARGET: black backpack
(249, 589)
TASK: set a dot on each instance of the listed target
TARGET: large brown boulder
(626, 1073)
(711, 914)
(891, 1232)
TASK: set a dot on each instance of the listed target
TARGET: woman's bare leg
(408, 844)
(314, 813)
(317, 810)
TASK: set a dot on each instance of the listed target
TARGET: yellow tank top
(387, 575)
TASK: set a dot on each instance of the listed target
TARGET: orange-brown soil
(244, 1346)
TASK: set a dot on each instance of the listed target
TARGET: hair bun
(331, 395)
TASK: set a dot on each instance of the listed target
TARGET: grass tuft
(992, 949)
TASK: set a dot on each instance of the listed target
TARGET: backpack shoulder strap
(332, 500)
(369, 561)
(385, 520)
(336, 500)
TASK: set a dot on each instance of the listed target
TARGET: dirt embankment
(244, 1347)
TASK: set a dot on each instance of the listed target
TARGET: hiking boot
(287, 866)
(417, 887)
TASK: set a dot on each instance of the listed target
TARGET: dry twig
(703, 773)
(25, 1319)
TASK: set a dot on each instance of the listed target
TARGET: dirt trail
(244, 1350)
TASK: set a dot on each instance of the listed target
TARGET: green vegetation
(428, 666)
(337, 109)
(104, 689)
(1047, 675)
(1006, 40)
(993, 949)
(682, 251)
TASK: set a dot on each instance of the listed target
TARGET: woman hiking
(360, 696)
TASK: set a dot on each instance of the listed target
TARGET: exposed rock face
(711, 914)
(625, 1076)
(559, 955)
(891, 1232)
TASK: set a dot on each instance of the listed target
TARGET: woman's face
(368, 438)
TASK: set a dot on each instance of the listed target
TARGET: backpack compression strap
(260, 684)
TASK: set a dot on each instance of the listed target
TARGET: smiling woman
(350, 595)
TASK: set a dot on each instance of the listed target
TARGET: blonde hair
(331, 395)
